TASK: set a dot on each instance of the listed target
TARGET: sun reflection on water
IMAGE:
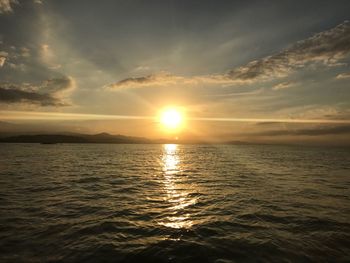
(176, 195)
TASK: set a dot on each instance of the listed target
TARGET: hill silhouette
(74, 138)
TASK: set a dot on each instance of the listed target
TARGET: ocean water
(174, 203)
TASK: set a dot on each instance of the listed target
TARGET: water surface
(173, 203)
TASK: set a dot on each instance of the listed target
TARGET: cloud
(58, 86)
(327, 48)
(12, 94)
(3, 57)
(48, 93)
(25, 52)
(14, 55)
(334, 130)
(150, 80)
(6, 6)
(233, 94)
(283, 85)
(343, 75)
(164, 78)
(2, 61)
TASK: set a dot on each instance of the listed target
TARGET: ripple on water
(173, 203)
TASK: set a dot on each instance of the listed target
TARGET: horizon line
(39, 115)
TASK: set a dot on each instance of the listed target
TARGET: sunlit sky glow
(238, 70)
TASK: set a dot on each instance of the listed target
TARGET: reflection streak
(176, 195)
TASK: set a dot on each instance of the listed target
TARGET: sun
(171, 118)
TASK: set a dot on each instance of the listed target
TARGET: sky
(260, 71)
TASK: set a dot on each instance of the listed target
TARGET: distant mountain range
(17, 133)
(86, 138)
(74, 138)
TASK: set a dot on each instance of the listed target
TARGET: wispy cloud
(343, 75)
(150, 80)
(283, 85)
(164, 78)
(326, 48)
(234, 94)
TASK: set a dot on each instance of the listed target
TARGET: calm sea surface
(173, 203)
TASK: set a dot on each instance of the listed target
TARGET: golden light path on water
(31, 115)
(176, 196)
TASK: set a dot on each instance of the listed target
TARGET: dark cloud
(14, 95)
(333, 130)
(48, 93)
(327, 47)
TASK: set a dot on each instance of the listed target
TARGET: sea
(174, 203)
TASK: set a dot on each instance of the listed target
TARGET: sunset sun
(171, 118)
